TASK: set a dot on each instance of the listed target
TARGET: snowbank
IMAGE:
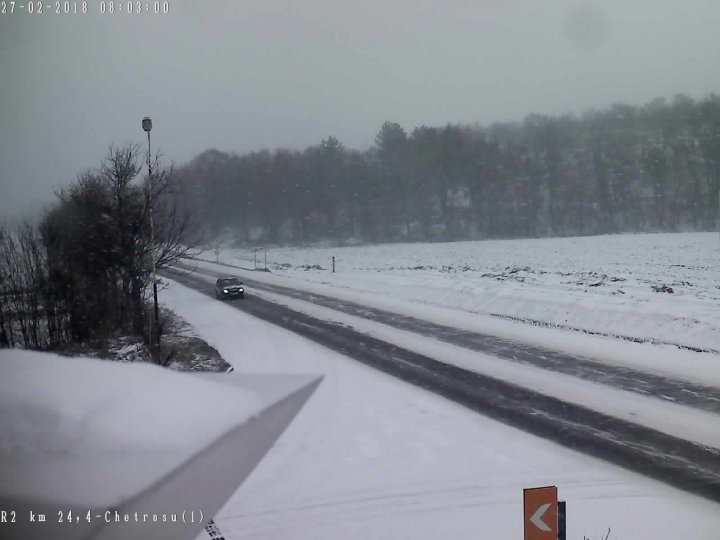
(373, 457)
(65, 419)
(606, 284)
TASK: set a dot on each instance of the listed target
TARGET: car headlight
(241, 289)
(225, 291)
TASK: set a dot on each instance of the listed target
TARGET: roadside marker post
(541, 512)
(255, 252)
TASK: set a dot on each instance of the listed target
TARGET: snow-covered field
(372, 457)
(615, 284)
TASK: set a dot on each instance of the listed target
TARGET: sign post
(561, 520)
(540, 509)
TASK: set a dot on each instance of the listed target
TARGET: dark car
(229, 287)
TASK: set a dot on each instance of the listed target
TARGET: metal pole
(266, 259)
(155, 338)
(562, 516)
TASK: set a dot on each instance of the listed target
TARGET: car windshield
(228, 281)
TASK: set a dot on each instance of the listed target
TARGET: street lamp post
(154, 337)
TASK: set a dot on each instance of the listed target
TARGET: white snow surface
(96, 432)
(666, 416)
(372, 457)
(598, 284)
(664, 360)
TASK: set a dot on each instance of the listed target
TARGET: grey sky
(245, 75)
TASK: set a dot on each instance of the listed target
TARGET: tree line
(82, 272)
(626, 168)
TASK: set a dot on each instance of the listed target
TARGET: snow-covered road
(647, 396)
(373, 457)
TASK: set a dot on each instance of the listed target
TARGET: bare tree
(6, 336)
(98, 244)
(22, 277)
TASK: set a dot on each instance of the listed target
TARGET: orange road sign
(540, 511)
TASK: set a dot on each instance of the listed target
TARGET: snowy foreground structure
(108, 450)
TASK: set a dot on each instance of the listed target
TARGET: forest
(622, 169)
(82, 272)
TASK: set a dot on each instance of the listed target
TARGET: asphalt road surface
(667, 389)
(680, 463)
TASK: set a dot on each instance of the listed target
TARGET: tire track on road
(675, 461)
(695, 395)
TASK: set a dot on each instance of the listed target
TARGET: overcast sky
(250, 74)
